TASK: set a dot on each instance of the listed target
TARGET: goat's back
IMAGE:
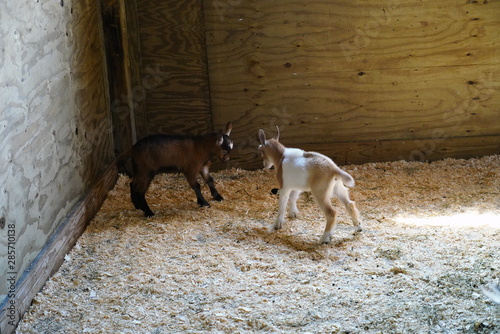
(294, 169)
(301, 169)
(165, 151)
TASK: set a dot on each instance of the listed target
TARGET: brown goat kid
(299, 171)
(190, 155)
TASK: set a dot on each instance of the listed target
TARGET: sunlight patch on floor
(465, 219)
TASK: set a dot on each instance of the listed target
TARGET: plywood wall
(357, 80)
(54, 122)
(174, 68)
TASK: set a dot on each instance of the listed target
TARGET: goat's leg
(283, 200)
(342, 194)
(292, 209)
(330, 214)
(191, 178)
(323, 199)
(138, 186)
(210, 182)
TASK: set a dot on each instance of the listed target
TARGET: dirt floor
(431, 239)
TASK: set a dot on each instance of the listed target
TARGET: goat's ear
(229, 127)
(220, 138)
(262, 137)
(278, 135)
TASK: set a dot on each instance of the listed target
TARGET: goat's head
(270, 149)
(224, 144)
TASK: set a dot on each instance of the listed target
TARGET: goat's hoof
(325, 239)
(292, 215)
(218, 198)
(358, 229)
(149, 214)
(204, 204)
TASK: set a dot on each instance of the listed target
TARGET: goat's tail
(122, 158)
(347, 179)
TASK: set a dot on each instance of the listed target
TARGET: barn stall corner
(429, 243)
(397, 93)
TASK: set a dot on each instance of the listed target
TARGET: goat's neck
(205, 145)
(277, 152)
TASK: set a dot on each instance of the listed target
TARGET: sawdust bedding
(431, 239)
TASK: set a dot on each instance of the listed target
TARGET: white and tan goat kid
(298, 171)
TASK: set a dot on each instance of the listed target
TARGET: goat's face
(268, 149)
(224, 144)
(264, 153)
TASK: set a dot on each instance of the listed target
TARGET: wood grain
(52, 255)
(355, 35)
(61, 150)
(345, 153)
(172, 40)
(133, 61)
(387, 105)
(88, 75)
(361, 71)
(119, 78)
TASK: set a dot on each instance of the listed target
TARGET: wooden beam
(52, 255)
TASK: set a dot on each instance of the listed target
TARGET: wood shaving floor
(431, 239)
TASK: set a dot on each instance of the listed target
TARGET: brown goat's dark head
(224, 143)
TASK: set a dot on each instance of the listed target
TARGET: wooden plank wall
(56, 142)
(53, 254)
(132, 64)
(116, 46)
(358, 80)
(174, 66)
